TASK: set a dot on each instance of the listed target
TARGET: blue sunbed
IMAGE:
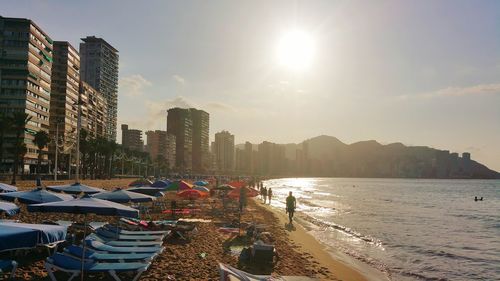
(117, 236)
(8, 265)
(77, 251)
(120, 243)
(114, 228)
(101, 247)
(73, 266)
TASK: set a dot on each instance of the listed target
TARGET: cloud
(179, 79)
(179, 101)
(133, 85)
(481, 89)
(219, 106)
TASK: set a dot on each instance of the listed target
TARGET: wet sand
(197, 259)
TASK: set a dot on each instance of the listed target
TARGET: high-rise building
(64, 97)
(180, 124)
(200, 140)
(190, 126)
(161, 147)
(224, 151)
(25, 82)
(132, 138)
(272, 159)
(99, 68)
(94, 110)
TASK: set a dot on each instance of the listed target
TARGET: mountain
(328, 156)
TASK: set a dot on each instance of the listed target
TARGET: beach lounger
(73, 266)
(114, 228)
(8, 265)
(117, 236)
(120, 243)
(101, 247)
(76, 251)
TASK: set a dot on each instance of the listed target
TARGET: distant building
(64, 97)
(201, 126)
(224, 151)
(131, 138)
(442, 163)
(180, 124)
(466, 163)
(191, 130)
(271, 158)
(99, 68)
(161, 147)
(26, 55)
(94, 111)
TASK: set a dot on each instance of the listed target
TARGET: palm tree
(41, 140)
(5, 126)
(19, 121)
(112, 147)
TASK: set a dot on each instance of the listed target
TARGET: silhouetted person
(243, 198)
(475, 198)
(269, 195)
(291, 204)
(481, 199)
(264, 193)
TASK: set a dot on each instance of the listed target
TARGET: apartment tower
(94, 108)
(99, 68)
(64, 97)
(201, 124)
(180, 124)
(25, 84)
(224, 151)
(132, 138)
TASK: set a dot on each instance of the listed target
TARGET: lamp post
(78, 128)
(57, 148)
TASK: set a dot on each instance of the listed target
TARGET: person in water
(291, 204)
(269, 195)
(475, 198)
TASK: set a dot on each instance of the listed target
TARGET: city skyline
(420, 74)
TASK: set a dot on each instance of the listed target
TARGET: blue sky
(418, 72)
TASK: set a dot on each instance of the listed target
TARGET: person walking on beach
(291, 204)
(264, 193)
(269, 195)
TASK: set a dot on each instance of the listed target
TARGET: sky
(417, 72)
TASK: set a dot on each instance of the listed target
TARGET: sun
(295, 50)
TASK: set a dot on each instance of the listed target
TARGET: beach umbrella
(237, 184)
(250, 192)
(225, 187)
(179, 185)
(86, 205)
(35, 196)
(25, 235)
(200, 183)
(140, 182)
(147, 190)
(7, 188)
(75, 188)
(161, 183)
(8, 208)
(201, 188)
(192, 194)
(123, 196)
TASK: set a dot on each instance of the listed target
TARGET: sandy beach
(197, 259)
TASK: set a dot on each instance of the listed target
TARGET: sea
(410, 229)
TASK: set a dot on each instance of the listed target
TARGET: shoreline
(342, 266)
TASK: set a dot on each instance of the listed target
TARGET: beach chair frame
(51, 268)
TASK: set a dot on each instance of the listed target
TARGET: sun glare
(295, 50)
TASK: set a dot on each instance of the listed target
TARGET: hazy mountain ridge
(328, 156)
